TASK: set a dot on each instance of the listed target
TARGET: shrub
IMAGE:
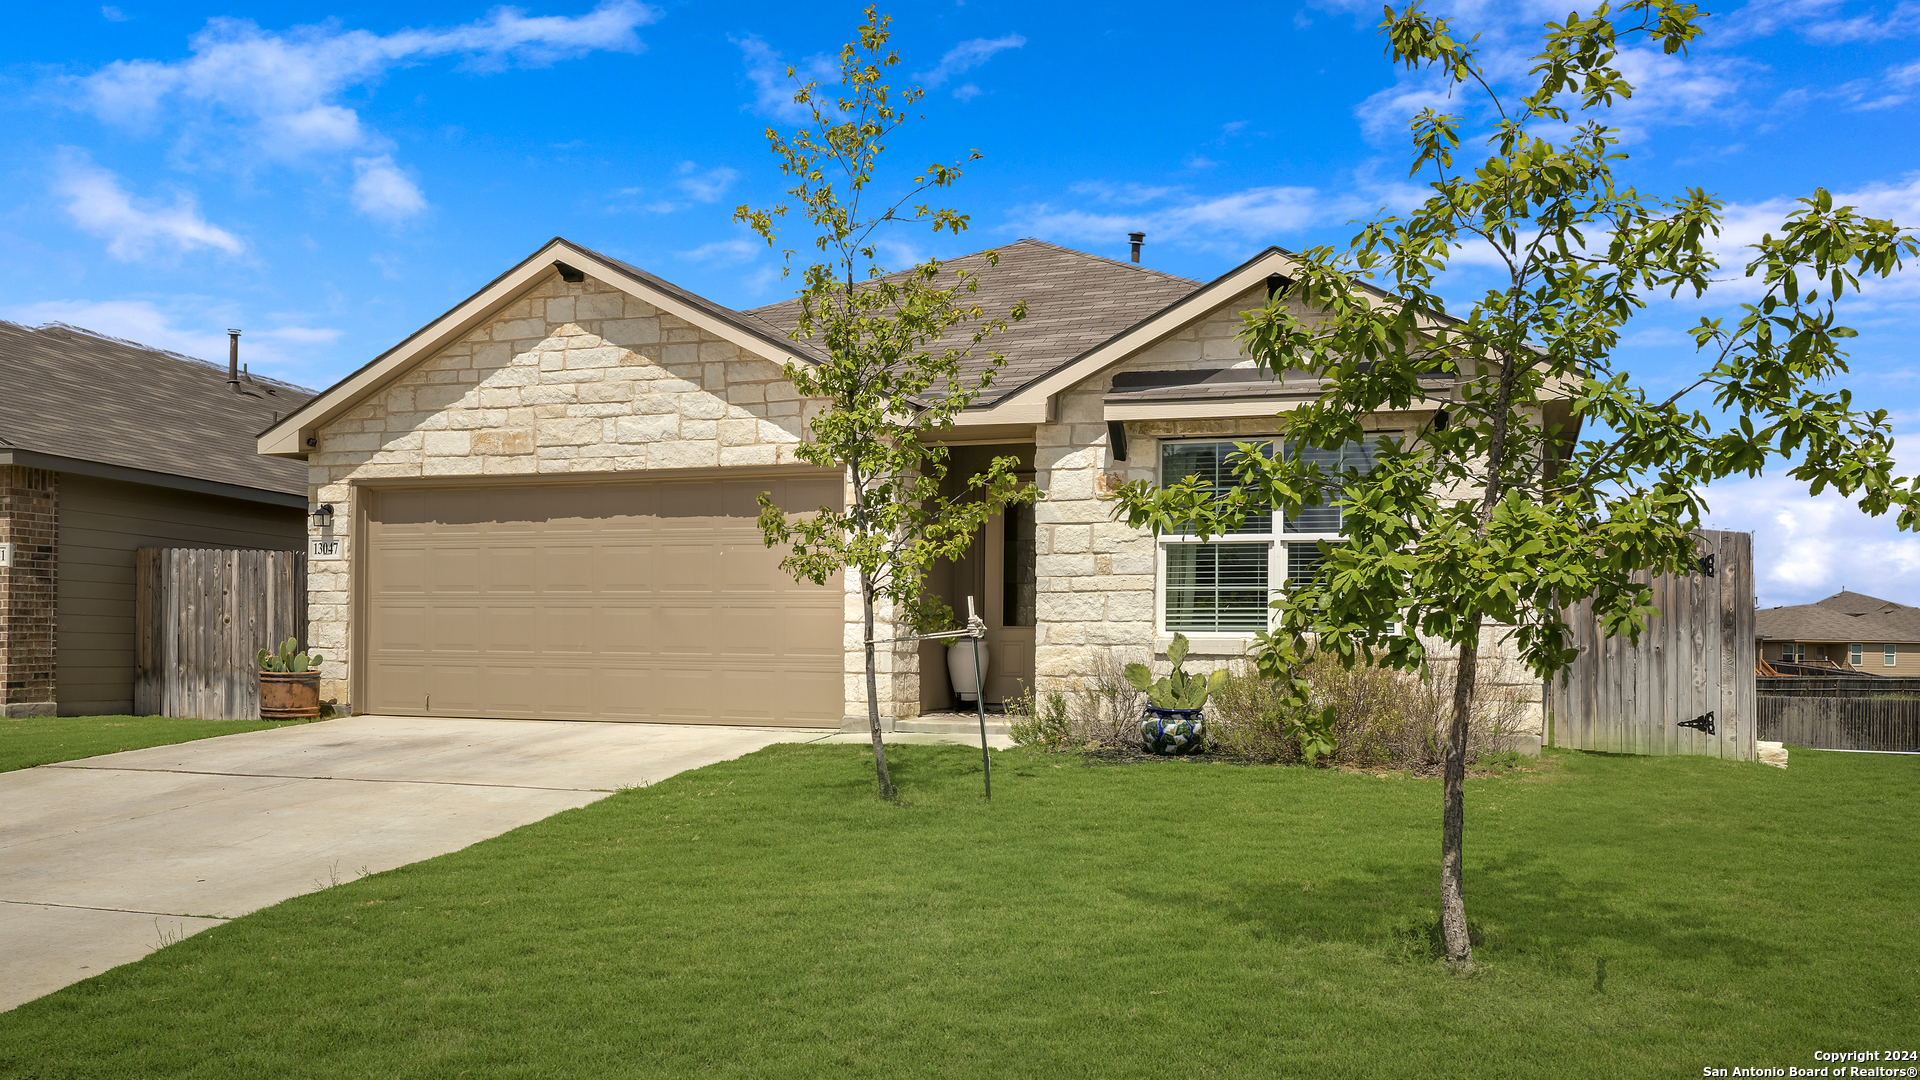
(1101, 711)
(1378, 716)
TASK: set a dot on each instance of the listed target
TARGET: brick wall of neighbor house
(30, 521)
(1097, 576)
(573, 378)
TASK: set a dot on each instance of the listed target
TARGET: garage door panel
(458, 629)
(401, 628)
(562, 630)
(623, 600)
(502, 568)
(623, 630)
(688, 632)
(625, 567)
(397, 688)
(456, 568)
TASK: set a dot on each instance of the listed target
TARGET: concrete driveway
(104, 859)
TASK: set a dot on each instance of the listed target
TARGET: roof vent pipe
(1137, 238)
(233, 360)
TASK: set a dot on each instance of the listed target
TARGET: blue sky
(329, 178)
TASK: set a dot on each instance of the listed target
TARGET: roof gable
(294, 435)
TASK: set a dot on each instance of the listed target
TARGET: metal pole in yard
(979, 629)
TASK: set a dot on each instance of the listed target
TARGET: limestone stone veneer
(572, 378)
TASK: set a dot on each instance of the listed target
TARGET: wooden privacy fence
(1696, 658)
(199, 616)
(1841, 712)
(1841, 721)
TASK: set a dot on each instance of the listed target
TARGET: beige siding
(1873, 661)
(101, 523)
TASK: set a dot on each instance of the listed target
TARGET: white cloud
(968, 55)
(247, 94)
(1129, 194)
(773, 88)
(967, 92)
(113, 14)
(1796, 536)
(381, 190)
(1824, 22)
(1227, 221)
(98, 203)
(192, 326)
(725, 252)
(708, 186)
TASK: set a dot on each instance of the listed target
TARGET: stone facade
(584, 378)
(29, 590)
(571, 378)
(1098, 577)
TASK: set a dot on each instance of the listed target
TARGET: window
(1222, 585)
(1890, 655)
(1853, 654)
(1793, 652)
(1020, 597)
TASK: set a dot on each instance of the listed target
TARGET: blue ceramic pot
(1172, 731)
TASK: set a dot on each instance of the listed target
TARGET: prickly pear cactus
(1179, 690)
(288, 658)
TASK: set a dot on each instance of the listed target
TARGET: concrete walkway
(105, 859)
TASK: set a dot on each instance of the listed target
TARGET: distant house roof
(1844, 616)
(77, 401)
(1075, 301)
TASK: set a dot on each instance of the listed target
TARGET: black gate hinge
(1703, 723)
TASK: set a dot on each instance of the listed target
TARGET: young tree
(893, 347)
(1491, 514)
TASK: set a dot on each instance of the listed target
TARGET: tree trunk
(1453, 817)
(873, 691)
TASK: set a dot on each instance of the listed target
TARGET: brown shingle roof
(1844, 616)
(1075, 301)
(72, 393)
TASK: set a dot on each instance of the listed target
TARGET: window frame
(1856, 654)
(1275, 539)
(1891, 656)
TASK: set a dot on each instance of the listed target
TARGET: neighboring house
(544, 499)
(107, 446)
(1848, 630)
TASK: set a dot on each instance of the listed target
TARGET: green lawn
(768, 918)
(47, 739)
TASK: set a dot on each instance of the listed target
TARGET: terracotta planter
(289, 695)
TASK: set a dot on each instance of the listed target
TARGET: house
(107, 446)
(1849, 631)
(543, 501)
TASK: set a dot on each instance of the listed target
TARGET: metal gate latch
(1706, 564)
(1703, 722)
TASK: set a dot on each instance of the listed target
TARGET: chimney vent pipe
(1136, 238)
(233, 360)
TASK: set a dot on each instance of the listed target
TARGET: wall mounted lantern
(322, 515)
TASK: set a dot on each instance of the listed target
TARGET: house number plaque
(324, 547)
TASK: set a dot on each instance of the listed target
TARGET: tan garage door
(606, 601)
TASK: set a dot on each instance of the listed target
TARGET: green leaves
(893, 344)
(1180, 689)
(1556, 477)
